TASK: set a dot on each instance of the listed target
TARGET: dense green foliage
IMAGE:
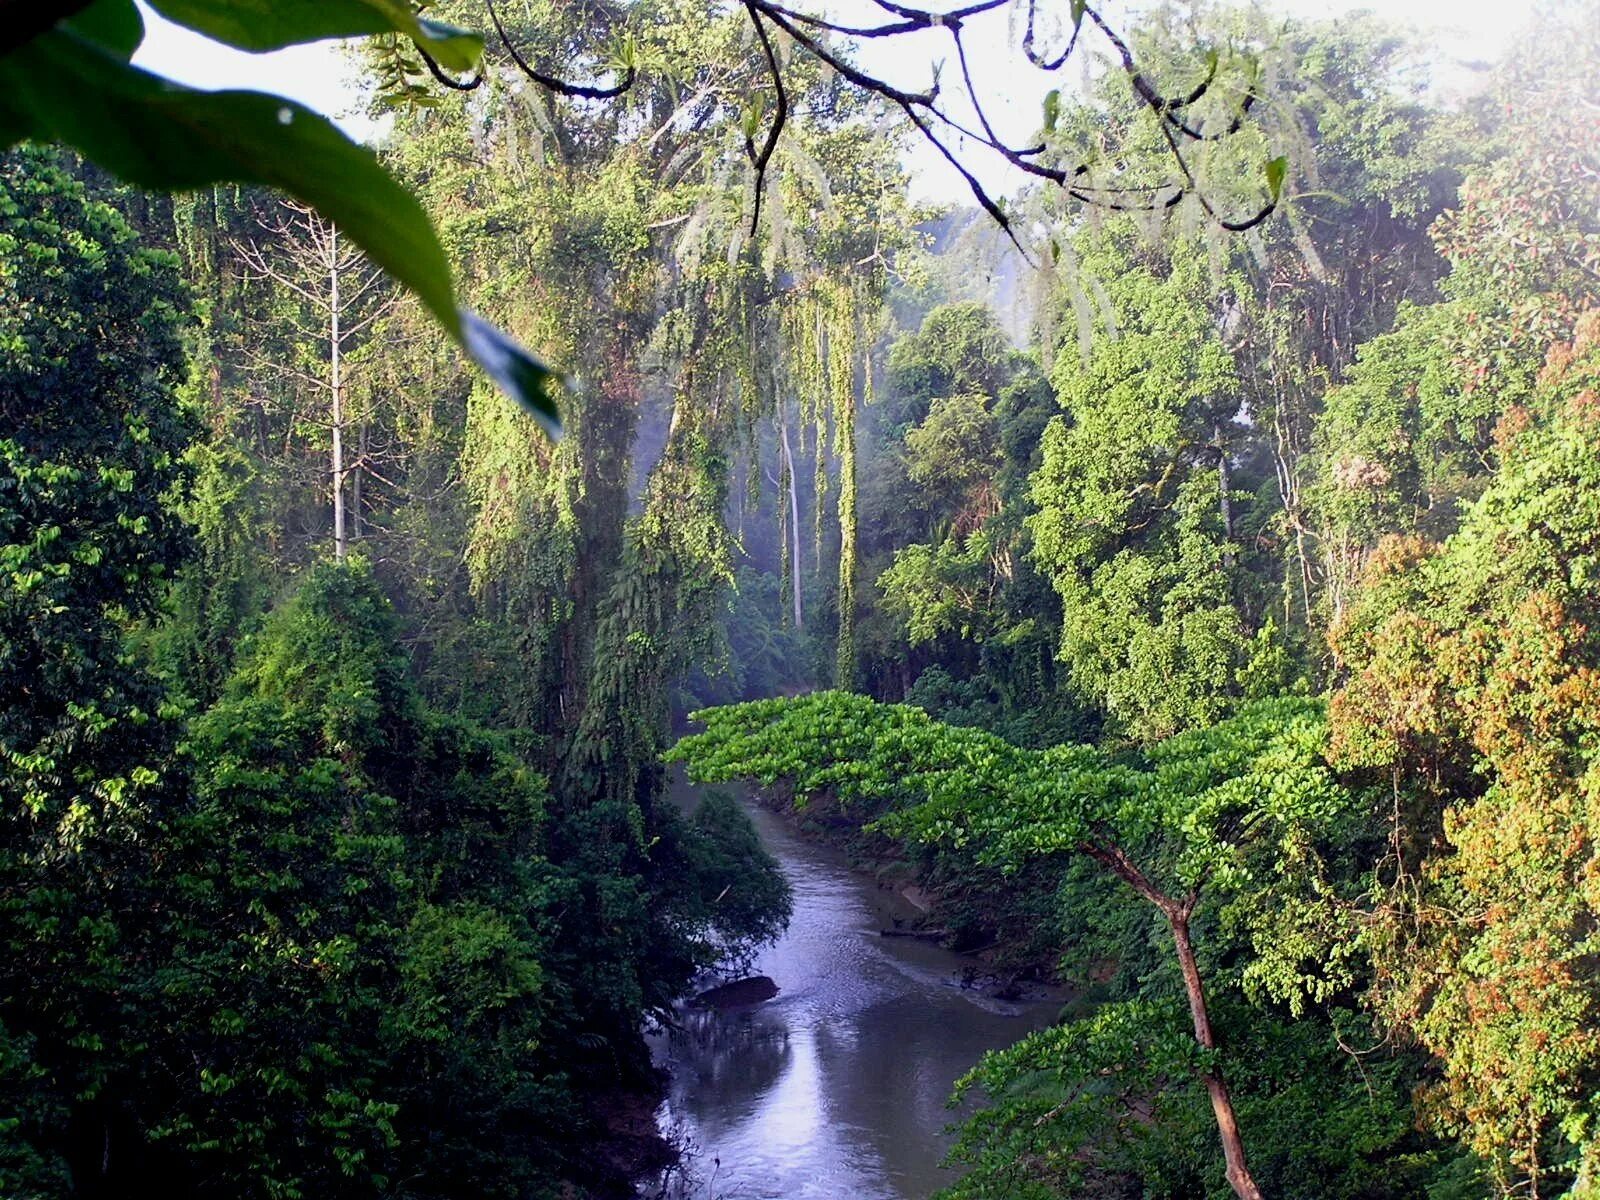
(93, 434)
(358, 902)
(1473, 679)
(67, 77)
(1222, 645)
(275, 925)
(1132, 522)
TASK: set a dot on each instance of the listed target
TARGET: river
(836, 1087)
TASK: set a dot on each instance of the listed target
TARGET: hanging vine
(677, 555)
(788, 519)
(826, 328)
(843, 336)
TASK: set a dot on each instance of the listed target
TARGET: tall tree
(1473, 696)
(1133, 521)
(331, 283)
(1409, 436)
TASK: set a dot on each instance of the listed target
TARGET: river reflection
(835, 1088)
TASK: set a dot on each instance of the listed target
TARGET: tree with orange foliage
(1475, 685)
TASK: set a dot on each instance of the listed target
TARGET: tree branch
(551, 83)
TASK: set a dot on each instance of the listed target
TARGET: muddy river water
(836, 1087)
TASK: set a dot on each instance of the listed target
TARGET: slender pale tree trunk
(336, 382)
(1224, 499)
(794, 522)
(307, 258)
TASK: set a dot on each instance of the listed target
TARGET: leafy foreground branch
(72, 82)
(1191, 818)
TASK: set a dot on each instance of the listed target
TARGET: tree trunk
(1239, 1178)
(336, 383)
(1224, 500)
(1178, 912)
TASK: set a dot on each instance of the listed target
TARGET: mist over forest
(599, 648)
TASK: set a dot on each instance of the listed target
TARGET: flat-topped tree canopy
(1197, 802)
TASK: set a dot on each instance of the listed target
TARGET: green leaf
(154, 134)
(1052, 109)
(518, 373)
(113, 25)
(273, 24)
(626, 55)
(1277, 169)
(1079, 7)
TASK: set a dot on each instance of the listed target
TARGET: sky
(319, 76)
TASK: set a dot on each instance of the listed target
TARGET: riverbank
(630, 1146)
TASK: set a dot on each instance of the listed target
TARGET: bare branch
(760, 159)
(456, 85)
(811, 33)
(550, 82)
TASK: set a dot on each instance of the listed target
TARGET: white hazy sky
(1455, 31)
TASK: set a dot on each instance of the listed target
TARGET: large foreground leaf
(262, 24)
(64, 87)
(113, 25)
(273, 24)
